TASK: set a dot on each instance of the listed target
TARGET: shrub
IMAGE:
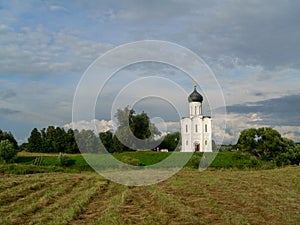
(64, 160)
(7, 151)
(194, 161)
(131, 161)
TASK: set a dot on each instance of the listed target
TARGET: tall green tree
(140, 126)
(170, 141)
(71, 145)
(133, 130)
(107, 140)
(35, 141)
(87, 141)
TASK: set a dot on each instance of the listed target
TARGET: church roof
(195, 96)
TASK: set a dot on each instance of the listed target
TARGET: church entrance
(197, 147)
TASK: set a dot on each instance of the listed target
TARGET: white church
(196, 131)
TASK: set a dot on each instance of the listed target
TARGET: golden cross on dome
(195, 84)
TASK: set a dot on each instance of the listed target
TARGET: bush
(7, 151)
(28, 169)
(131, 161)
(64, 160)
(194, 161)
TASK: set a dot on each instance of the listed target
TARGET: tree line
(51, 140)
(135, 131)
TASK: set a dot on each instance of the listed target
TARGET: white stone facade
(196, 130)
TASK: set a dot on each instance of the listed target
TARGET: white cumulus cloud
(95, 125)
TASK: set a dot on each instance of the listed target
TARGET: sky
(252, 48)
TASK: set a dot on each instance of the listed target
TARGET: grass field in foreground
(189, 197)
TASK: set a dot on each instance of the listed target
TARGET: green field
(24, 163)
(189, 197)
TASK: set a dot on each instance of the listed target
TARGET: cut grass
(189, 197)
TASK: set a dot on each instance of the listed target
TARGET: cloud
(283, 111)
(57, 8)
(6, 112)
(237, 122)
(291, 132)
(7, 94)
(253, 32)
(99, 126)
(39, 103)
(40, 52)
(281, 114)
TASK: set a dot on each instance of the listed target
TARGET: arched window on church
(196, 128)
(195, 110)
(205, 127)
(205, 142)
(186, 128)
(187, 142)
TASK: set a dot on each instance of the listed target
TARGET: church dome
(195, 96)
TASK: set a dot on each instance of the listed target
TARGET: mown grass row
(48, 198)
(210, 197)
(189, 197)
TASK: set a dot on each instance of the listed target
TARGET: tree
(52, 139)
(135, 131)
(87, 141)
(140, 126)
(71, 145)
(107, 139)
(117, 145)
(267, 144)
(170, 141)
(8, 136)
(35, 141)
(7, 151)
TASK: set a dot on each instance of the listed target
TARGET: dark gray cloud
(275, 112)
(7, 94)
(7, 111)
(256, 32)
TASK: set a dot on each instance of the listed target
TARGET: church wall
(207, 134)
(197, 135)
(195, 108)
(186, 135)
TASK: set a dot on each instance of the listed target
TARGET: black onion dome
(195, 96)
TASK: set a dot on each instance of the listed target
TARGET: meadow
(235, 189)
(189, 197)
(24, 162)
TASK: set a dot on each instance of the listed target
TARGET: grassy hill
(189, 197)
